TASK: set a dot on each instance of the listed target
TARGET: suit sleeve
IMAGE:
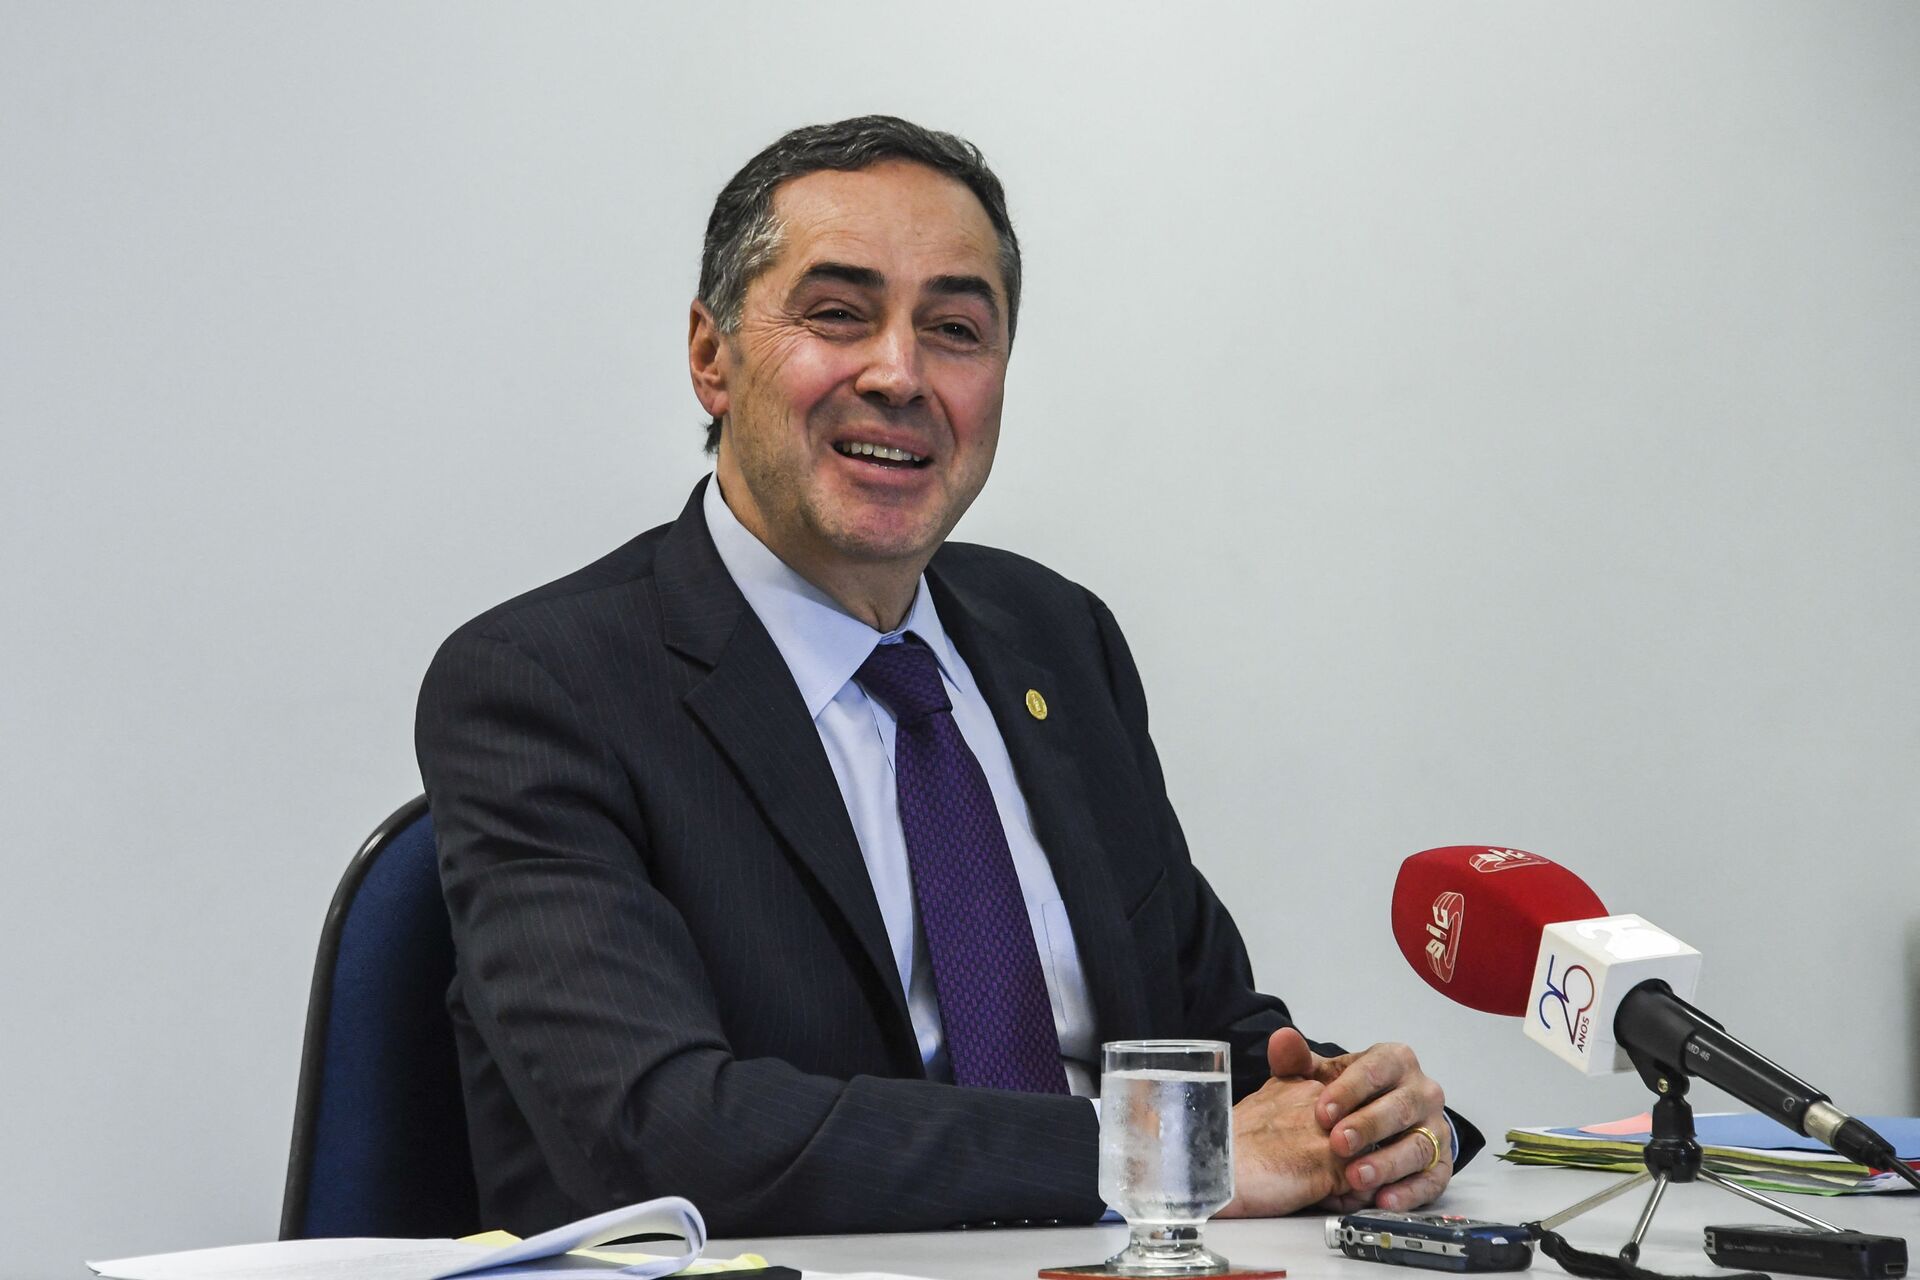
(586, 988)
(1216, 975)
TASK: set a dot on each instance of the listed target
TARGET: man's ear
(708, 359)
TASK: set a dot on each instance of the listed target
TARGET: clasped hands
(1342, 1133)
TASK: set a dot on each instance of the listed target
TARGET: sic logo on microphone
(1443, 934)
(1506, 860)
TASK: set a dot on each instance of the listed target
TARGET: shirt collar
(823, 644)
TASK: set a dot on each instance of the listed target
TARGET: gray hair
(744, 235)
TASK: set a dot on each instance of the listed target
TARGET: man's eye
(835, 315)
(959, 332)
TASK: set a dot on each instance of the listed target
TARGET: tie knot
(905, 676)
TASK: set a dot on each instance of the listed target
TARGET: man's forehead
(898, 211)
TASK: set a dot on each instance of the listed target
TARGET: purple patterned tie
(994, 1010)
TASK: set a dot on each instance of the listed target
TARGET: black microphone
(1654, 1022)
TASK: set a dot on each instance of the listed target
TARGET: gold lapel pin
(1036, 705)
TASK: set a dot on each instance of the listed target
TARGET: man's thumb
(1288, 1054)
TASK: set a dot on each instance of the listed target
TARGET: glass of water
(1166, 1150)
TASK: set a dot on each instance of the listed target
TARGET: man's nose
(892, 372)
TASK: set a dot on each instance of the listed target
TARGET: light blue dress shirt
(823, 646)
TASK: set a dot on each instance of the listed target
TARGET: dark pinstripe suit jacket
(673, 974)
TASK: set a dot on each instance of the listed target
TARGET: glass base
(1166, 1251)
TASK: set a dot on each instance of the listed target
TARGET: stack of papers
(567, 1251)
(1755, 1150)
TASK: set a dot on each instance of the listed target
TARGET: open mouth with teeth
(879, 455)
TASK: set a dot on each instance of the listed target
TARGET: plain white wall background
(1492, 423)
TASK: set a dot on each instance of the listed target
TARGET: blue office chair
(379, 1128)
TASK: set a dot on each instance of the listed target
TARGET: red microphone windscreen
(1468, 919)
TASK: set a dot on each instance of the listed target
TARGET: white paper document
(360, 1259)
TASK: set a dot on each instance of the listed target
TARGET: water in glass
(1167, 1155)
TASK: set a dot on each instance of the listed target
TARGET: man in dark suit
(798, 861)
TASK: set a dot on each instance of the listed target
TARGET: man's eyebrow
(842, 273)
(970, 286)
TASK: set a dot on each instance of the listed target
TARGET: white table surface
(1488, 1189)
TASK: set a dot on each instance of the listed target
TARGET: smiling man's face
(862, 387)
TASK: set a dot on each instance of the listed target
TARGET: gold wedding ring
(1433, 1140)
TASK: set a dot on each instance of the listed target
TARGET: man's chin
(882, 552)
(888, 543)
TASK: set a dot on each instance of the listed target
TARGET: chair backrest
(379, 1129)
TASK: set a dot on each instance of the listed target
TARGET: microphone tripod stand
(1672, 1155)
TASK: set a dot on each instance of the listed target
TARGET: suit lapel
(1047, 755)
(751, 707)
